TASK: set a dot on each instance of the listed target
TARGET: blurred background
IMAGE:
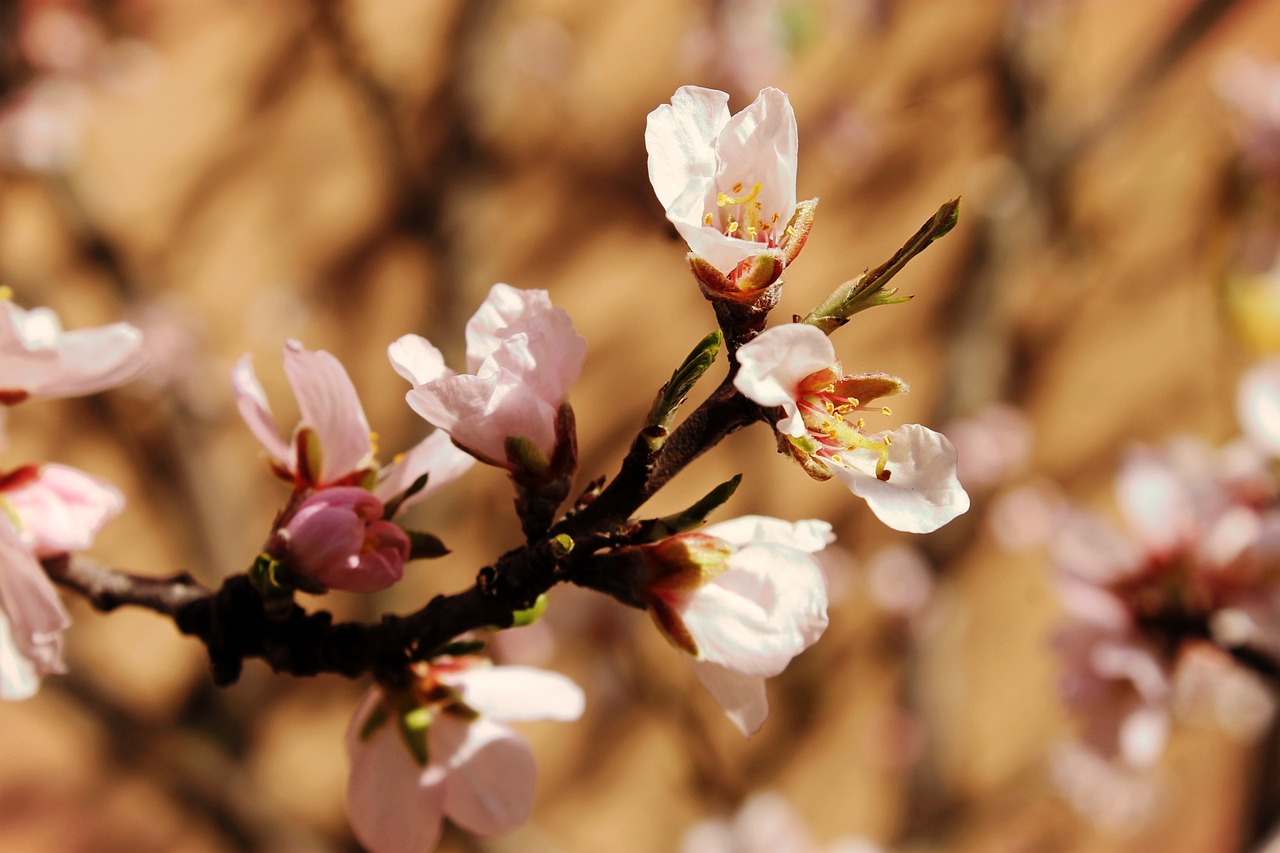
(227, 174)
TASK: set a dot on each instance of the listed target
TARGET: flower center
(742, 215)
(827, 414)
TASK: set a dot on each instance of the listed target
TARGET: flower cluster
(1155, 613)
(49, 509)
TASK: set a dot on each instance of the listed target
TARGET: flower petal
(329, 405)
(810, 535)
(63, 509)
(774, 364)
(414, 358)
(922, 493)
(394, 805)
(492, 775)
(481, 412)
(256, 411)
(679, 138)
(1258, 406)
(436, 456)
(522, 331)
(742, 696)
(514, 693)
(34, 615)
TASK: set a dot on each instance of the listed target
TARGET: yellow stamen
(885, 410)
(707, 220)
(724, 199)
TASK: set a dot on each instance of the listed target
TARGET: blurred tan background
(227, 174)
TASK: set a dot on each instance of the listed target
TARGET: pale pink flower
(907, 475)
(338, 538)
(44, 510)
(742, 598)
(331, 444)
(728, 184)
(467, 767)
(39, 359)
(990, 445)
(61, 509)
(31, 618)
(522, 356)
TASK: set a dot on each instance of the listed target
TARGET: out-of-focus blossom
(338, 539)
(1253, 88)
(765, 823)
(742, 598)
(1258, 406)
(728, 184)
(907, 475)
(990, 445)
(44, 510)
(1114, 796)
(439, 750)
(42, 129)
(39, 359)
(522, 356)
(1025, 516)
(900, 580)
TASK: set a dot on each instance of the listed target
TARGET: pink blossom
(522, 356)
(742, 598)
(1258, 405)
(907, 475)
(47, 510)
(39, 359)
(31, 618)
(439, 750)
(338, 538)
(61, 509)
(728, 184)
(331, 444)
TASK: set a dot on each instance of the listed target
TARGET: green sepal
(373, 722)
(425, 546)
(561, 545)
(525, 456)
(868, 290)
(461, 648)
(413, 730)
(696, 515)
(392, 506)
(523, 618)
(663, 411)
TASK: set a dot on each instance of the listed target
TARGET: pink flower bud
(338, 538)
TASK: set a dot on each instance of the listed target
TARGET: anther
(885, 410)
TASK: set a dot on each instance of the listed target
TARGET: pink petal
(435, 456)
(492, 776)
(329, 405)
(1258, 406)
(63, 509)
(256, 412)
(521, 331)
(31, 647)
(760, 144)
(37, 356)
(810, 535)
(518, 693)
(774, 364)
(481, 412)
(415, 359)
(395, 806)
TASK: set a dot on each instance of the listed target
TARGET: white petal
(492, 776)
(394, 805)
(33, 611)
(760, 145)
(414, 358)
(679, 137)
(1156, 501)
(770, 605)
(92, 360)
(513, 693)
(774, 364)
(741, 696)
(922, 493)
(481, 412)
(523, 332)
(810, 535)
(18, 678)
(256, 411)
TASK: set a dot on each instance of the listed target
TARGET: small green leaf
(696, 515)
(528, 616)
(425, 546)
(413, 730)
(663, 411)
(373, 722)
(392, 506)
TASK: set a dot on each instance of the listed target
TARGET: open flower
(439, 750)
(728, 184)
(332, 444)
(907, 475)
(39, 359)
(338, 539)
(742, 598)
(522, 356)
(47, 510)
